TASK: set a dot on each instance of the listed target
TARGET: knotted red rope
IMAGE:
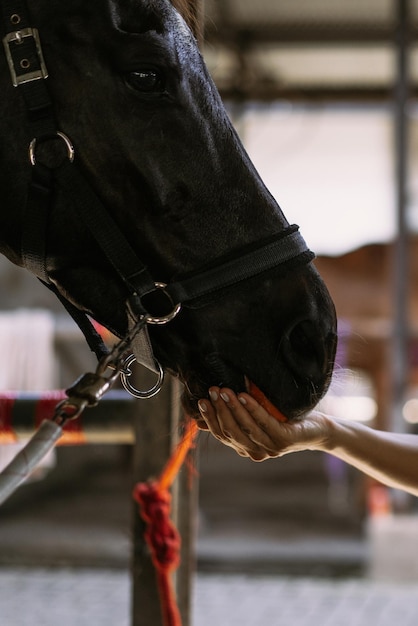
(161, 535)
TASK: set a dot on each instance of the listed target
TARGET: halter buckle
(17, 38)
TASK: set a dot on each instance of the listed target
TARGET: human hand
(244, 425)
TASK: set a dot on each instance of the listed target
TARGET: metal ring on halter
(69, 146)
(165, 318)
(137, 393)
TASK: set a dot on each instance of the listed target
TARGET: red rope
(161, 535)
(7, 434)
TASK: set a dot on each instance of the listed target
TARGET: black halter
(29, 74)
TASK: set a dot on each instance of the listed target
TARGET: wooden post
(401, 273)
(400, 368)
(155, 435)
(156, 432)
(157, 428)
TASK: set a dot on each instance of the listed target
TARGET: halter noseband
(28, 72)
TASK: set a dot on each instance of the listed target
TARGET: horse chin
(294, 399)
(195, 388)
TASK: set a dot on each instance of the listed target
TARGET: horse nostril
(304, 350)
(301, 339)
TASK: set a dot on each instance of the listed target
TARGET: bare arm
(241, 423)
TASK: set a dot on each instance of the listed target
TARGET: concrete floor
(68, 597)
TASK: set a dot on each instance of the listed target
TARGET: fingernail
(213, 395)
(225, 396)
(202, 406)
(242, 400)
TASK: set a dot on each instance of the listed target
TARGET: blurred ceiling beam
(317, 94)
(249, 81)
(229, 33)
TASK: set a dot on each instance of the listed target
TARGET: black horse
(153, 144)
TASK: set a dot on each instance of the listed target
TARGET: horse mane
(189, 9)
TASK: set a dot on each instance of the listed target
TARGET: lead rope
(161, 535)
(87, 391)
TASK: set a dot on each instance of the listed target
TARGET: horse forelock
(188, 11)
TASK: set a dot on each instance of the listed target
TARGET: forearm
(243, 424)
(390, 458)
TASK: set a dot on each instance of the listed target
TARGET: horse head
(152, 139)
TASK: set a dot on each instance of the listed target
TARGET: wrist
(328, 433)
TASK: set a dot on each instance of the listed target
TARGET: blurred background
(324, 95)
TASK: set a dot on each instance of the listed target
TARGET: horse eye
(146, 81)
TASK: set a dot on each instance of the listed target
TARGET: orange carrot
(259, 396)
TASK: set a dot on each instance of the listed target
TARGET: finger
(222, 425)
(226, 405)
(262, 455)
(262, 418)
(201, 424)
(208, 415)
(220, 416)
(239, 428)
(210, 410)
(252, 420)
